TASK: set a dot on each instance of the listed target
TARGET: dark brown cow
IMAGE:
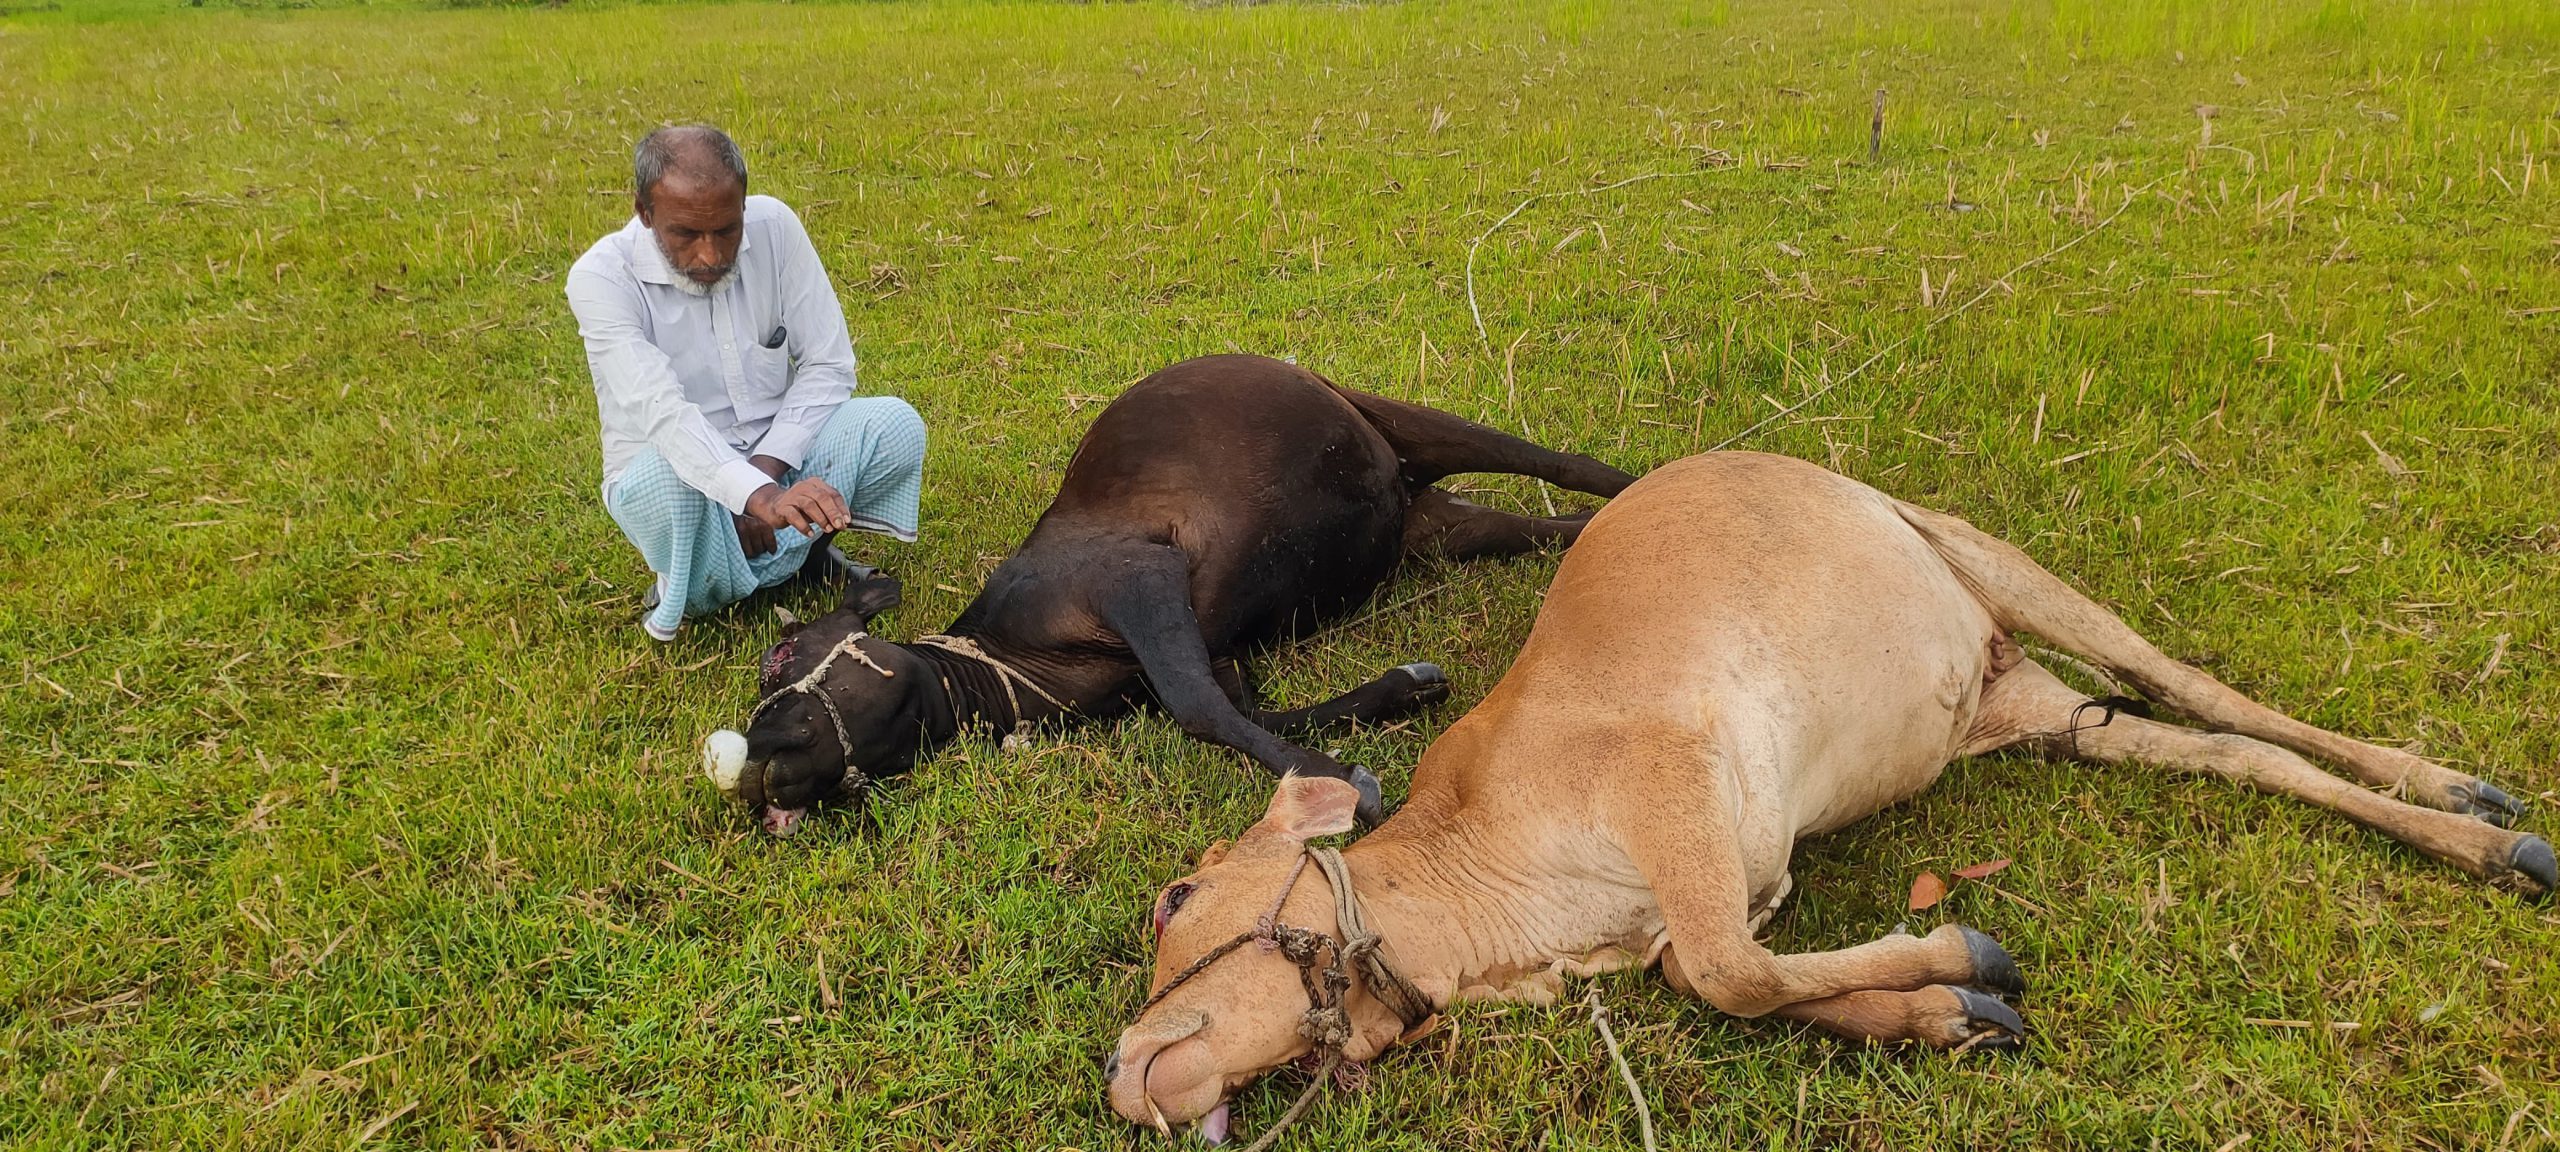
(1215, 505)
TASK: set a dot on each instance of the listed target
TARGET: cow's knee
(1206, 729)
(1733, 982)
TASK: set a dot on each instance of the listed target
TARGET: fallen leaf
(1986, 868)
(1926, 891)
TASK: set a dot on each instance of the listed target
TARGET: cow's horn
(724, 756)
(784, 614)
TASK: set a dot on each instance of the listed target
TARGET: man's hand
(813, 506)
(754, 538)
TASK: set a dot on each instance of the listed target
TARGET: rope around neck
(1006, 675)
(1327, 1022)
(1361, 945)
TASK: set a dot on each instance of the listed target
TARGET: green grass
(341, 797)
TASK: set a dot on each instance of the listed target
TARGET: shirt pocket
(768, 372)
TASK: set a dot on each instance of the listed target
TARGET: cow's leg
(1431, 444)
(2027, 705)
(2023, 596)
(1940, 1016)
(1405, 688)
(1945, 989)
(1147, 601)
(1940, 989)
(1439, 523)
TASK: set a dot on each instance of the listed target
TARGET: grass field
(343, 804)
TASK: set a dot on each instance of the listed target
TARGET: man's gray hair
(699, 151)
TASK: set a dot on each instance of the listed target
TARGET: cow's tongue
(783, 821)
(1213, 1127)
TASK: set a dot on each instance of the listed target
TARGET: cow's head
(1237, 1018)
(793, 757)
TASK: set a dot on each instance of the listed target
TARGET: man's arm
(823, 372)
(639, 392)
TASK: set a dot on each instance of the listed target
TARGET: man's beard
(693, 287)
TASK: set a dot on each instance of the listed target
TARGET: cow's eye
(1168, 904)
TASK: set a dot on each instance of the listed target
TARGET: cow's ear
(1305, 807)
(1211, 855)
(871, 596)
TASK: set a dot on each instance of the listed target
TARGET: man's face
(698, 225)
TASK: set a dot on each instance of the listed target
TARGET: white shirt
(691, 375)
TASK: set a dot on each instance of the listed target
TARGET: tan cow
(1742, 651)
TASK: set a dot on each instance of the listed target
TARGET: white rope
(851, 643)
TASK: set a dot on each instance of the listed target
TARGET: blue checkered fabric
(872, 450)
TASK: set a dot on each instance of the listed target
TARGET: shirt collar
(650, 265)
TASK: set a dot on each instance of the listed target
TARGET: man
(734, 448)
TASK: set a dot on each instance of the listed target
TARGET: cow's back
(1287, 502)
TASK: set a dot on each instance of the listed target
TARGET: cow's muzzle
(1162, 1076)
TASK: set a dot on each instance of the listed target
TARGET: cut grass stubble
(344, 804)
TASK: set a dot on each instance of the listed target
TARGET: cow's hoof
(1992, 967)
(1430, 684)
(2487, 801)
(2532, 856)
(1373, 798)
(829, 567)
(1989, 1024)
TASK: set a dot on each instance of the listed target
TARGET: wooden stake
(1875, 131)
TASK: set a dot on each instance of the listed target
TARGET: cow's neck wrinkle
(972, 693)
(1454, 914)
(942, 715)
(959, 693)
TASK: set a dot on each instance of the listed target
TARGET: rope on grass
(1600, 1020)
(1324, 1073)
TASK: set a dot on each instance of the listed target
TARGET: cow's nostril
(1111, 1066)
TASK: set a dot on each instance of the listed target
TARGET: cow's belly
(1278, 572)
(1868, 719)
(1825, 654)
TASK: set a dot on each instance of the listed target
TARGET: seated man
(734, 448)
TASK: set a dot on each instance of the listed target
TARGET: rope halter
(811, 685)
(1324, 966)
